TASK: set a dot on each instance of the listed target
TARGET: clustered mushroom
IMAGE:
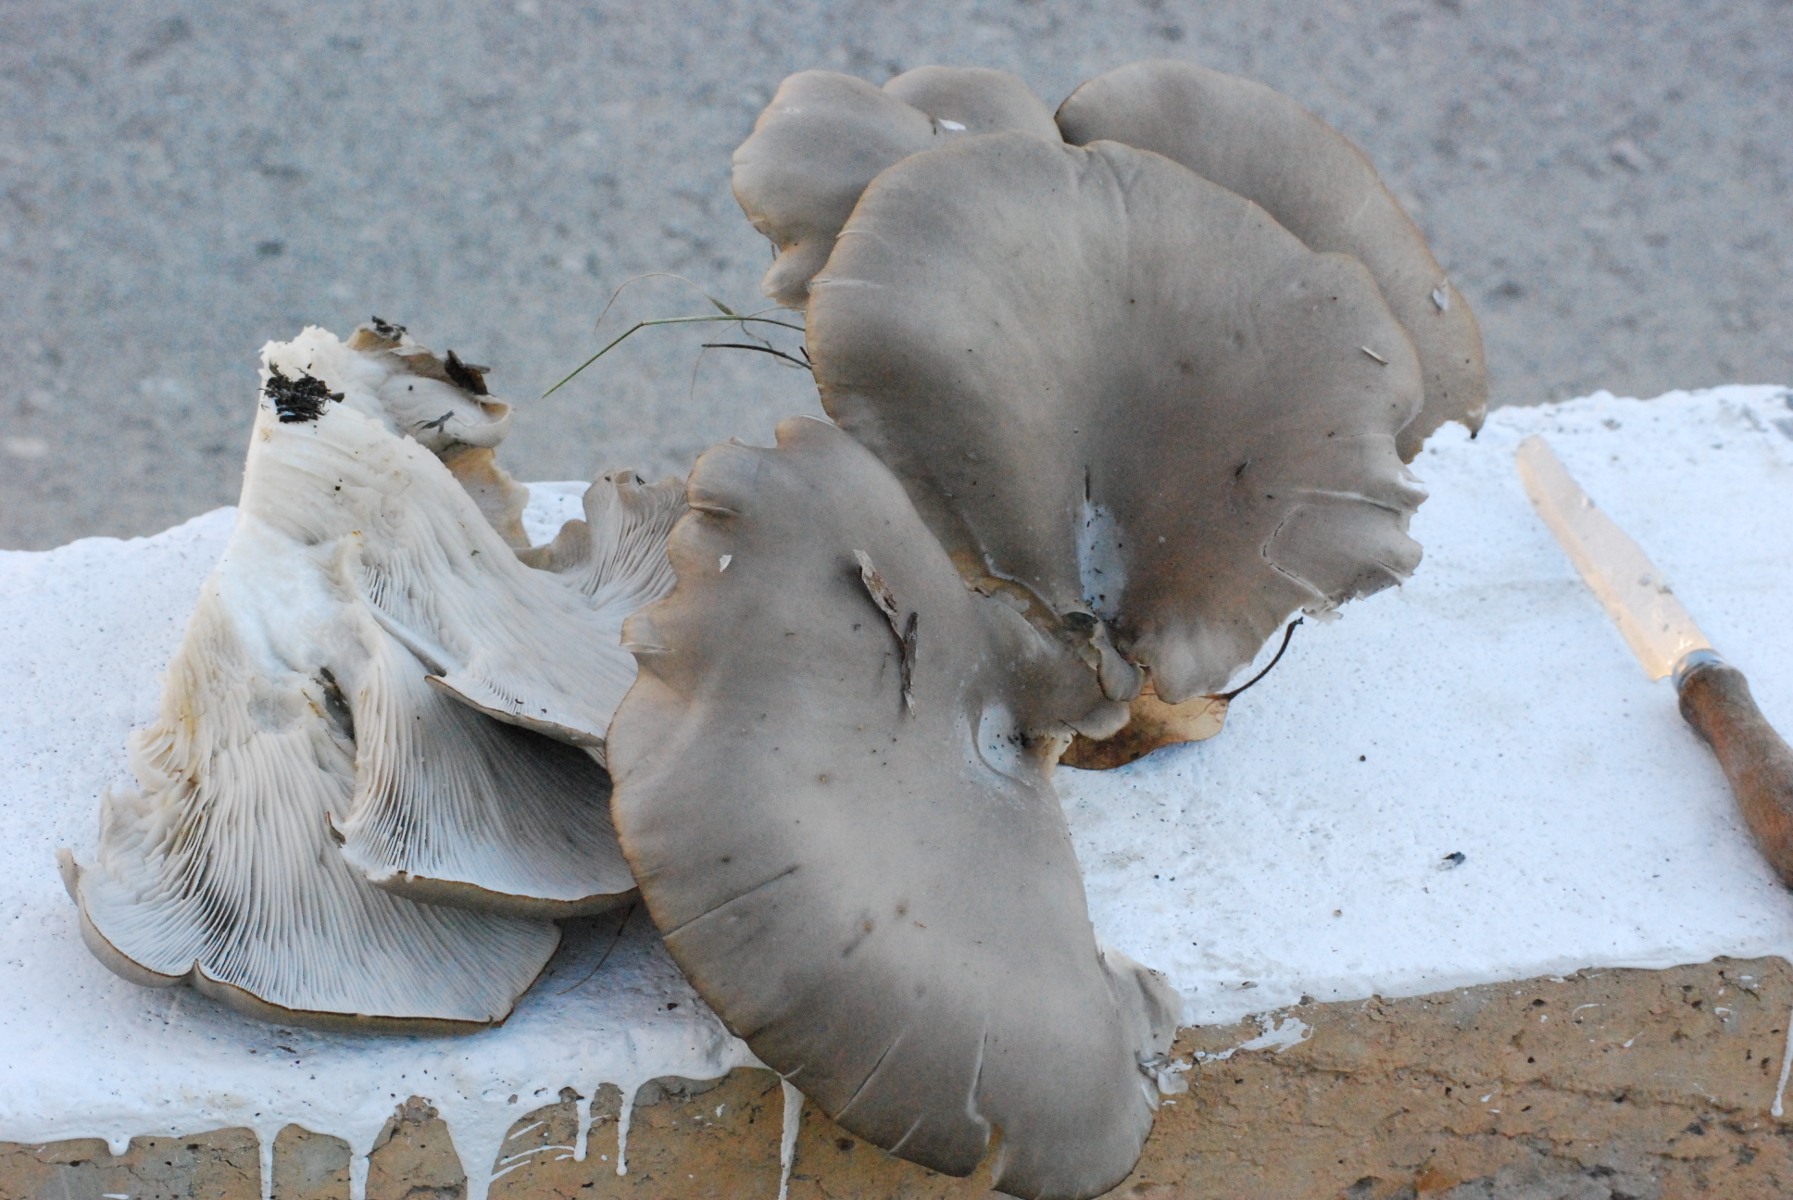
(1113, 393)
(331, 826)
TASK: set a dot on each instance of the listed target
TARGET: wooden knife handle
(1715, 700)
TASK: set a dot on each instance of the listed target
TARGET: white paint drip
(1291, 1031)
(1780, 1088)
(264, 1144)
(787, 1145)
(511, 1162)
(1278, 1035)
(358, 1165)
(622, 1127)
(583, 1141)
(478, 1135)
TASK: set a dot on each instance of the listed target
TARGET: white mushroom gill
(292, 706)
(453, 807)
(221, 872)
(616, 557)
(444, 807)
(503, 639)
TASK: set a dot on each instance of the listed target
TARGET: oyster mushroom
(220, 872)
(1123, 395)
(844, 824)
(616, 557)
(299, 716)
(1259, 143)
(478, 624)
(826, 135)
(443, 404)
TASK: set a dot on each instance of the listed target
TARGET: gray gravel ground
(1611, 185)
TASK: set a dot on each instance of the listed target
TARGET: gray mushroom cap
(833, 780)
(1261, 144)
(974, 100)
(1124, 389)
(826, 135)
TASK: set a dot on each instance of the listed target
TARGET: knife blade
(1714, 696)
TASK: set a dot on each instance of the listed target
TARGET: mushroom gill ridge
(878, 892)
(1125, 391)
(302, 756)
(445, 807)
(616, 557)
(221, 872)
(825, 135)
(1261, 144)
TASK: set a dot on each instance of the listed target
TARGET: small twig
(909, 640)
(905, 631)
(1286, 635)
(620, 926)
(773, 351)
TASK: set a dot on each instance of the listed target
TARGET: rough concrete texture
(414, 1157)
(182, 180)
(1606, 1085)
(310, 1166)
(223, 1164)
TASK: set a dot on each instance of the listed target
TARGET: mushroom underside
(452, 807)
(221, 871)
(615, 558)
(306, 750)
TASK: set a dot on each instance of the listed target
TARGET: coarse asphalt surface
(1610, 185)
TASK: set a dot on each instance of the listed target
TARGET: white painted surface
(1496, 712)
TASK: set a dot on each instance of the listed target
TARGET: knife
(1714, 696)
